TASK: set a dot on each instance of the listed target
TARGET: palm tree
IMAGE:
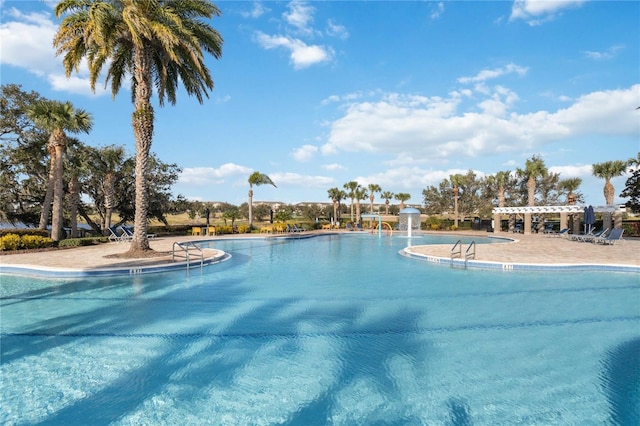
(256, 179)
(57, 118)
(607, 171)
(402, 197)
(155, 42)
(360, 194)
(570, 185)
(534, 168)
(48, 197)
(77, 168)
(456, 181)
(386, 196)
(351, 193)
(336, 195)
(373, 187)
(110, 159)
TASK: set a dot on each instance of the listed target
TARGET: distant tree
(402, 197)
(232, 214)
(256, 179)
(456, 180)
(386, 196)
(350, 188)
(534, 170)
(373, 188)
(336, 195)
(360, 194)
(570, 186)
(632, 187)
(607, 171)
(57, 118)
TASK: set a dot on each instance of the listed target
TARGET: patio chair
(592, 235)
(562, 233)
(613, 237)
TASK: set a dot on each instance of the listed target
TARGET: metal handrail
(187, 248)
(459, 252)
(468, 255)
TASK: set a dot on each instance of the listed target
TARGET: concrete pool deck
(535, 250)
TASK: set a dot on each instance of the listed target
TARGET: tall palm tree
(57, 118)
(155, 42)
(386, 196)
(570, 185)
(360, 194)
(77, 166)
(456, 181)
(110, 160)
(534, 168)
(336, 195)
(256, 179)
(373, 188)
(351, 193)
(607, 171)
(502, 180)
(402, 197)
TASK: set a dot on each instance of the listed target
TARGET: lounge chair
(118, 234)
(128, 231)
(613, 237)
(591, 235)
(518, 228)
(562, 233)
(297, 229)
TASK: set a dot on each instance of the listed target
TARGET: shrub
(24, 231)
(78, 242)
(10, 242)
(243, 229)
(35, 241)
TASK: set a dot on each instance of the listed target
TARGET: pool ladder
(467, 254)
(186, 251)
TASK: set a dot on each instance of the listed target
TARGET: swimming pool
(327, 330)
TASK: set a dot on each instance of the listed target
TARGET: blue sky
(402, 94)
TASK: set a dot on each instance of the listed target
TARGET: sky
(402, 94)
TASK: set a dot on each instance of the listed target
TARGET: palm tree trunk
(386, 207)
(455, 207)
(58, 188)
(48, 197)
(250, 208)
(108, 189)
(531, 191)
(74, 200)
(609, 192)
(143, 131)
(335, 209)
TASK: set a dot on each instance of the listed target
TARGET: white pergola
(564, 212)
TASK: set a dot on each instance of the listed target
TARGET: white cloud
(437, 11)
(403, 126)
(301, 54)
(333, 167)
(256, 11)
(201, 176)
(579, 170)
(489, 74)
(537, 12)
(27, 44)
(298, 180)
(610, 53)
(300, 16)
(337, 30)
(304, 153)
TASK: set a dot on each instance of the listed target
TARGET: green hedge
(78, 242)
(24, 231)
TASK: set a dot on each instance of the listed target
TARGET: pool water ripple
(354, 335)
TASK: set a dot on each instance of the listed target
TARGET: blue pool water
(334, 330)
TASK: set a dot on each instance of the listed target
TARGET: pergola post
(527, 223)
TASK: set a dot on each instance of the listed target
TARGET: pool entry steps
(468, 254)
